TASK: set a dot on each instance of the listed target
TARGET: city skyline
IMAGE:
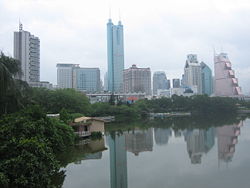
(89, 48)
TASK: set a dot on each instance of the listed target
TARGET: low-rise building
(84, 126)
(44, 84)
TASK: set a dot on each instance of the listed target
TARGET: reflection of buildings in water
(162, 135)
(198, 142)
(139, 140)
(118, 161)
(227, 139)
(91, 149)
(177, 133)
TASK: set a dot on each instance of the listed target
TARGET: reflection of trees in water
(177, 123)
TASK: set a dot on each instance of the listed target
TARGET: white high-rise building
(27, 51)
(192, 73)
(65, 75)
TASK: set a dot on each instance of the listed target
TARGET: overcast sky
(157, 33)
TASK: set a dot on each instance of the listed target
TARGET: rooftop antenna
(120, 22)
(20, 25)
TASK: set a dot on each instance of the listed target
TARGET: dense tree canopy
(13, 92)
(53, 101)
(28, 144)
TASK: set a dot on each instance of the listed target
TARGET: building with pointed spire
(226, 84)
(27, 51)
(115, 53)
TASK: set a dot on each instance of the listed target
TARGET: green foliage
(28, 144)
(13, 92)
(53, 101)
(75, 115)
(176, 123)
(30, 164)
(197, 104)
(64, 116)
(121, 112)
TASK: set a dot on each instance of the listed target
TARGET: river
(157, 156)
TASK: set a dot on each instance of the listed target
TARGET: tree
(53, 101)
(9, 68)
(13, 92)
(29, 142)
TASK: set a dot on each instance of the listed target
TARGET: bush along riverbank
(29, 142)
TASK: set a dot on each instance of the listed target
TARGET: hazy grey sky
(157, 33)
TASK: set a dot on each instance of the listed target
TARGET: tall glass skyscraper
(115, 56)
(207, 79)
(159, 81)
(87, 79)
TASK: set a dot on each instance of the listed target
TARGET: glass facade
(115, 56)
(207, 79)
(87, 79)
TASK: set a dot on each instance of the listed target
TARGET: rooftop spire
(20, 26)
(119, 22)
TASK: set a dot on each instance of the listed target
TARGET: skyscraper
(176, 83)
(137, 80)
(168, 84)
(65, 75)
(27, 51)
(207, 79)
(226, 84)
(86, 79)
(192, 73)
(159, 81)
(115, 56)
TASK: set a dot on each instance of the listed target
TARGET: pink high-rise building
(226, 84)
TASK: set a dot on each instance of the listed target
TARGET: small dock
(171, 114)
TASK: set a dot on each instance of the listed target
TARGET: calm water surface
(157, 157)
